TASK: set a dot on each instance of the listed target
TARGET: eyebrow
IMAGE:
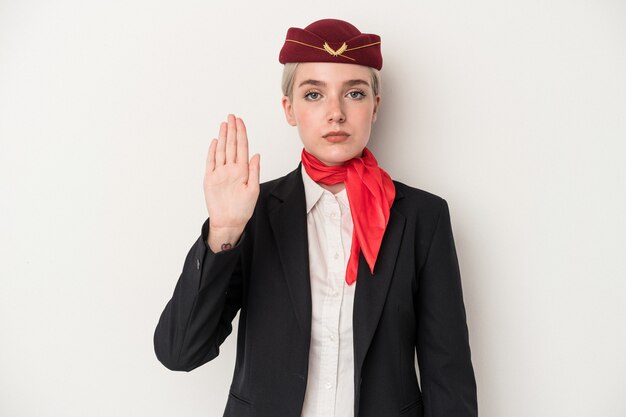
(352, 83)
(349, 83)
(312, 82)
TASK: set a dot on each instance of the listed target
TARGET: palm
(231, 183)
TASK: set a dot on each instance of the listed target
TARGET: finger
(242, 142)
(210, 156)
(254, 170)
(220, 151)
(231, 140)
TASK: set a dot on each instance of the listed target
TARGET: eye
(356, 94)
(312, 95)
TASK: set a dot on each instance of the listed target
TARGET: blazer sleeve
(443, 352)
(207, 296)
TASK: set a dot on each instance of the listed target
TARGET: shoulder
(282, 186)
(412, 201)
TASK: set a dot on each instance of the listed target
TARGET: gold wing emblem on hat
(326, 48)
(338, 52)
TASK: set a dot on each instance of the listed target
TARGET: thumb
(254, 169)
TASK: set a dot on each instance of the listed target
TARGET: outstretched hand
(231, 183)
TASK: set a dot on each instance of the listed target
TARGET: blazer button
(198, 264)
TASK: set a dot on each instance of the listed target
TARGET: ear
(288, 108)
(376, 105)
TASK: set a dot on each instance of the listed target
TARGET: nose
(336, 112)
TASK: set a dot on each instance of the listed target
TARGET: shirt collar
(313, 192)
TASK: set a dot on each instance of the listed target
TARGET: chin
(339, 160)
(336, 156)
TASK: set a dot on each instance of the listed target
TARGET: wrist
(220, 239)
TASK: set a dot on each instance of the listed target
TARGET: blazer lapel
(287, 214)
(371, 290)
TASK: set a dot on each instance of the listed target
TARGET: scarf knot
(370, 193)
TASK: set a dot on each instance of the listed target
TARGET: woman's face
(333, 107)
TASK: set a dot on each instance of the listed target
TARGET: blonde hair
(289, 76)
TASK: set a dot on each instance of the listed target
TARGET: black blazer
(413, 302)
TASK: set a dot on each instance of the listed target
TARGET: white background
(513, 111)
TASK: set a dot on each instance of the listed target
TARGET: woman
(340, 274)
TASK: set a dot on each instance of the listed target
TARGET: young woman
(340, 274)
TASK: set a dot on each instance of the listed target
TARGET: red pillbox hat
(331, 40)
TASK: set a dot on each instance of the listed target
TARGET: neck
(334, 188)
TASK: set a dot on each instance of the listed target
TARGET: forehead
(331, 73)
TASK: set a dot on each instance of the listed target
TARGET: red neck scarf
(370, 194)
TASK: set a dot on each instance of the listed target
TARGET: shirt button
(332, 338)
(336, 255)
(328, 385)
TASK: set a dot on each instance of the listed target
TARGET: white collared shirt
(330, 384)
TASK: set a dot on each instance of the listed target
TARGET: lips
(336, 136)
